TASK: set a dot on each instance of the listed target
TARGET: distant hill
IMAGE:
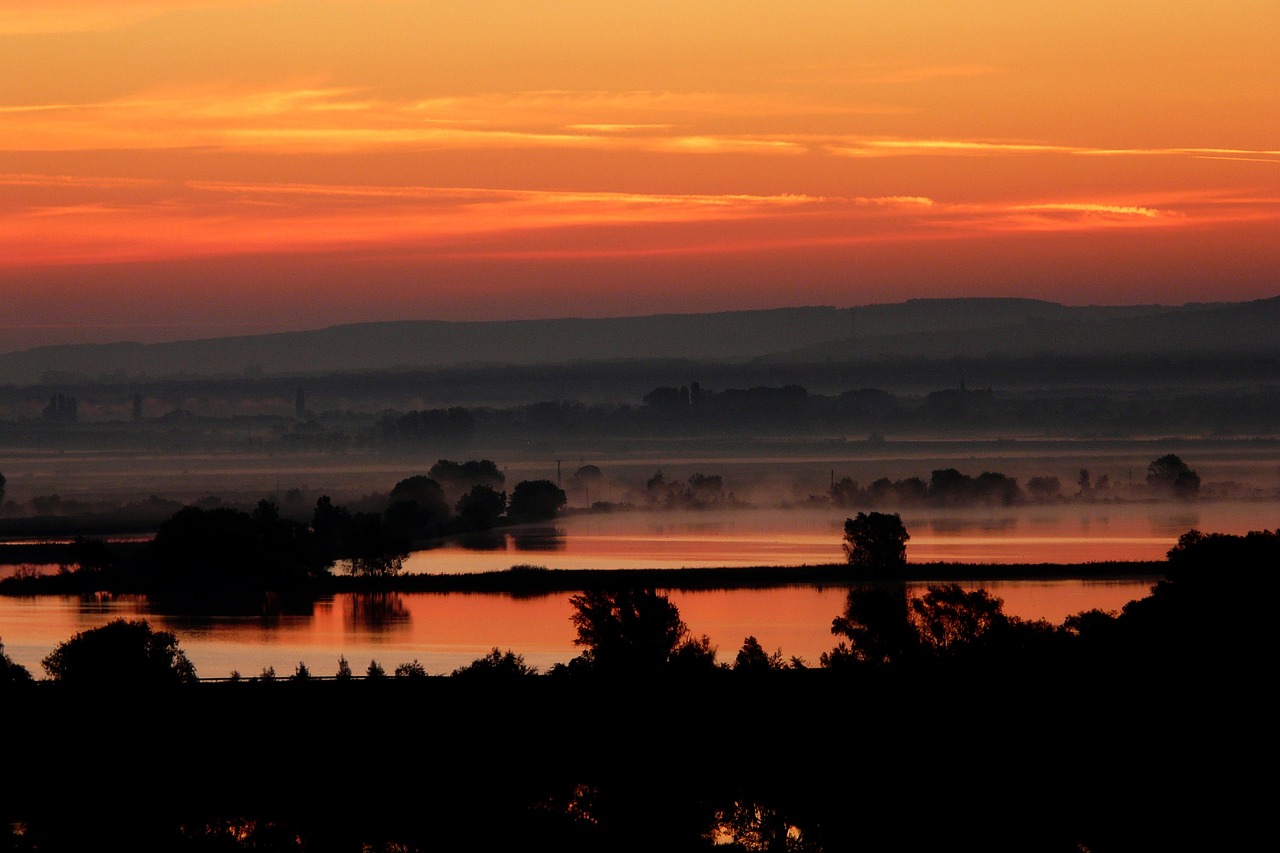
(918, 327)
(921, 329)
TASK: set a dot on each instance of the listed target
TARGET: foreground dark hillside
(1027, 759)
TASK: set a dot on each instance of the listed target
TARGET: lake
(445, 631)
(1056, 533)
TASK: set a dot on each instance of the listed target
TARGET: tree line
(1167, 477)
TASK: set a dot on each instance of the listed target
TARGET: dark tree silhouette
(11, 673)
(626, 631)
(410, 669)
(1169, 475)
(480, 508)
(1044, 488)
(496, 665)
(457, 478)
(752, 658)
(948, 618)
(875, 540)
(949, 486)
(2, 482)
(228, 550)
(995, 488)
(846, 492)
(876, 623)
(536, 500)
(122, 652)
(416, 507)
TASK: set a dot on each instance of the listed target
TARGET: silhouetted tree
(1044, 488)
(373, 547)
(846, 492)
(949, 486)
(332, 528)
(536, 500)
(416, 508)
(655, 488)
(411, 669)
(480, 508)
(629, 630)
(2, 482)
(457, 478)
(496, 665)
(1169, 475)
(1084, 484)
(226, 550)
(948, 618)
(693, 656)
(881, 492)
(11, 673)
(752, 658)
(344, 668)
(704, 490)
(122, 652)
(876, 541)
(991, 487)
(876, 623)
(374, 670)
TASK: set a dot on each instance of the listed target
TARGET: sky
(176, 169)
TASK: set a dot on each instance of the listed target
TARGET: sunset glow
(180, 168)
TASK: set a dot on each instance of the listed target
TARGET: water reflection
(539, 539)
(949, 525)
(1175, 524)
(448, 630)
(1068, 533)
(375, 611)
(488, 540)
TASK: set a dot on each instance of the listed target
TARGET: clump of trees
(1167, 476)
(121, 653)
(699, 491)
(634, 631)
(536, 500)
(885, 626)
(227, 550)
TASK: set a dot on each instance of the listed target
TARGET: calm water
(1069, 533)
(444, 631)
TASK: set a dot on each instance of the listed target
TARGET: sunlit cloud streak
(60, 220)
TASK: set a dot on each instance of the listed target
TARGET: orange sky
(181, 168)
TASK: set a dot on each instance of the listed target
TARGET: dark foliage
(536, 500)
(121, 653)
(11, 674)
(875, 541)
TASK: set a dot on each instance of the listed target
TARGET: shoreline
(525, 580)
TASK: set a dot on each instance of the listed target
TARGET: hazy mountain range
(917, 328)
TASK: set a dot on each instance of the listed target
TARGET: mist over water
(1066, 533)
